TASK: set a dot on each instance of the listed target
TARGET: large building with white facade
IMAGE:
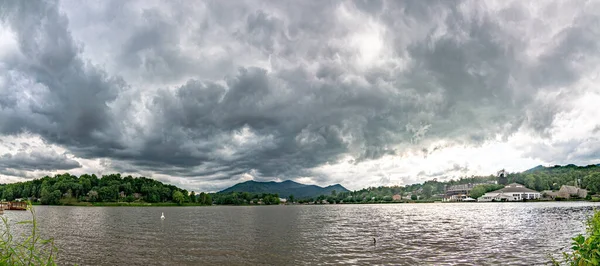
(512, 192)
(461, 192)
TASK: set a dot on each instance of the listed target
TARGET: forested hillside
(552, 178)
(90, 188)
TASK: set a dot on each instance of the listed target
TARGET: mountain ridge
(557, 166)
(284, 188)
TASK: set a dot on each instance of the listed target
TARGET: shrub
(28, 249)
(586, 249)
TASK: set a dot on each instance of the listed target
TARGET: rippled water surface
(406, 234)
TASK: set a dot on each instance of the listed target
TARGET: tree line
(552, 178)
(108, 188)
(245, 198)
(115, 188)
(539, 179)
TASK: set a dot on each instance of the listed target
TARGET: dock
(13, 206)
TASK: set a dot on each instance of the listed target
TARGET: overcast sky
(206, 94)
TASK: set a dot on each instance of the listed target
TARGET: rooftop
(570, 189)
(514, 188)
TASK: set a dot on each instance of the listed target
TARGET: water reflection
(407, 234)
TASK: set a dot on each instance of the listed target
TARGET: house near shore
(461, 192)
(511, 192)
(458, 192)
(549, 195)
(396, 197)
(571, 192)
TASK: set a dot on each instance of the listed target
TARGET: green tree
(413, 197)
(208, 200)
(164, 193)
(186, 195)
(427, 190)
(291, 198)
(86, 183)
(193, 197)
(268, 199)
(152, 193)
(201, 198)
(50, 197)
(477, 191)
(108, 193)
(592, 182)
(271, 199)
(127, 188)
(8, 194)
(129, 198)
(27, 190)
(247, 196)
(178, 197)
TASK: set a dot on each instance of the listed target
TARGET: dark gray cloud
(216, 89)
(37, 160)
(52, 91)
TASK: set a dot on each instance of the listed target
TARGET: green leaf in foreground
(585, 249)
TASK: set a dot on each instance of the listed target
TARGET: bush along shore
(585, 249)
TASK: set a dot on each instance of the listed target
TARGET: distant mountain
(555, 168)
(535, 169)
(285, 189)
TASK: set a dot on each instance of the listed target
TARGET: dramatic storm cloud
(204, 94)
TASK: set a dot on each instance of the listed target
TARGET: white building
(512, 192)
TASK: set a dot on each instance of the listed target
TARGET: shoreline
(171, 204)
(124, 204)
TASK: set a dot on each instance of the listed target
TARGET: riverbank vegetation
(585, 249)
(26, 249)
(246, 198)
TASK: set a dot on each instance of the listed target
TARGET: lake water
(406, 234)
